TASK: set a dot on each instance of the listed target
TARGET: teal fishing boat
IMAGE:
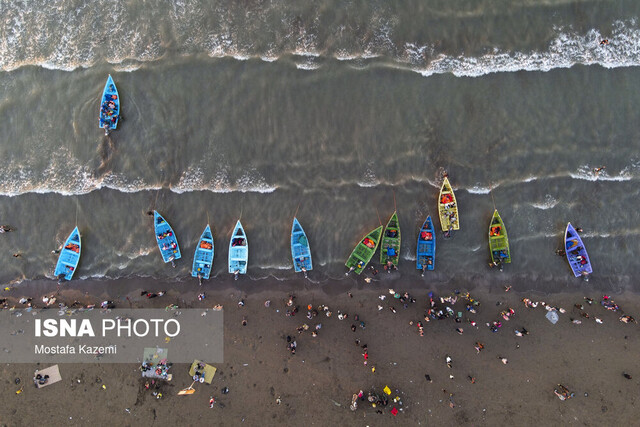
(109, 107)
(203, 257)
(69, 256)
(300, 251)
(238, 251)
(166, 239)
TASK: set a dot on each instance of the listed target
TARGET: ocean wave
(142, 252)
(308, 65)
(274, 267)
(369, 179)
(587, 173)
(549, 203)
(83, 182)
(67, 37)
(479, 190)
(566, 50)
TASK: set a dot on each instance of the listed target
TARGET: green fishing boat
(364, 251)
(390, 249)
(498, 241)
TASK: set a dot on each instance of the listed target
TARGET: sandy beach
(269, 385)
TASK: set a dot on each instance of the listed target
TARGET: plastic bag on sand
(552, 316)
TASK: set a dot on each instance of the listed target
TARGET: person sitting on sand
(5, 229)
(627, 319)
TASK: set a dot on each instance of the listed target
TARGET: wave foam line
(134, 49)
(565, 51)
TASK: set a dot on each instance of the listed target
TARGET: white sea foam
(142, 252)
(587, 173)
(369, 179)
(193, 179)
(308, 65)
(274, 267)
(479, 190)
(566, 50)
(549, 203)
(81, 37)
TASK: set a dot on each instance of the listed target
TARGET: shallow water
(258, 111)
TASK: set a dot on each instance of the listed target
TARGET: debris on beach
(563, 392)
(379, 400)
(552, 316)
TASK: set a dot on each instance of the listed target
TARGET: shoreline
(188, 286)
(316, 384)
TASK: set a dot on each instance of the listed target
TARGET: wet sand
(316, 384)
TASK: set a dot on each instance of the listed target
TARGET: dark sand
(316, 384)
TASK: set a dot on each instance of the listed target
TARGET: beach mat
(155, 355)
(54, 376)
(209, 371)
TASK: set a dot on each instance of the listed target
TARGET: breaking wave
(127, 35)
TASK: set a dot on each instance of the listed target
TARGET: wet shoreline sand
(316, 384)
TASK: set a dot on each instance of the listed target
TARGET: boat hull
(498, 240)
(300, 250)
(69, 256)
(426, 252)
(238, 251)
(576, 253)
(448, 207)
(166, 239)
(364, 251)
(109, 106)
(203, 256)
(390, 247)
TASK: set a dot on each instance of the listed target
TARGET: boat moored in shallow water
(390, 248)
(576, 253)
(238, 251)
(166, 239)
(300, 250)
(109, 107)
(498, 241)
(364, 251)
(69, 256)
(448, 208)
(426, 252)
(203, 257)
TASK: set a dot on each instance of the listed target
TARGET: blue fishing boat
(109, 107)
(238, 251)
(576, 253)
(166, 238)
(300, 251)
(426, 253)
(203, 258)
(69, 256)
